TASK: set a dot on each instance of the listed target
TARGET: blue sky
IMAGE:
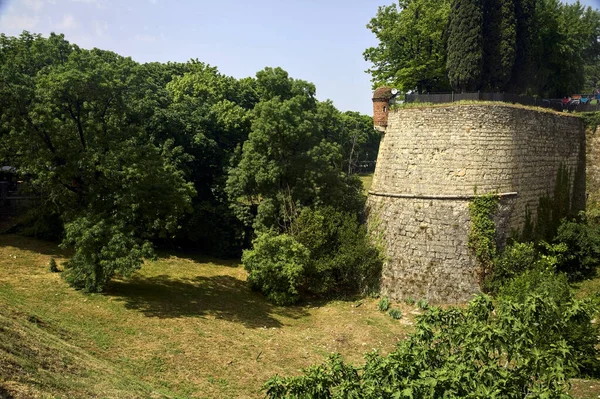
(321, 41)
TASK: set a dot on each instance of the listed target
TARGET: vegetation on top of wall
(591, 120)
(407, 105)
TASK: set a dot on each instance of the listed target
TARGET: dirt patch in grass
(183, 326)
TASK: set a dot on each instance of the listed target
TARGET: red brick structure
(381, 106)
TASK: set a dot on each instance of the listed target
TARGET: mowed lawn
(183, 326)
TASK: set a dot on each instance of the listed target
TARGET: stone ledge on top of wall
(439, 196)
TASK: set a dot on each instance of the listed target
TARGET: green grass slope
(182, 327)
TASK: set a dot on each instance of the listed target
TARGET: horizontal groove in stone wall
(438, 196)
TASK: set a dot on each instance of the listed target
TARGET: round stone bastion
(434, 160)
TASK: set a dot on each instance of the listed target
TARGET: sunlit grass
(183, 326)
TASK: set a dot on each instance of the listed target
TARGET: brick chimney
(381, 107)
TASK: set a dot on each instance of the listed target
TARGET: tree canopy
(540, 47)
(125, 156)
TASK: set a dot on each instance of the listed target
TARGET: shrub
(276, 267)
(582, 257)
(343, 261)
(52, 266)
(578, 331)
(516, 258)
(383, 304)
(395, 314)
(423, 304)
(324, 252)
(103, 248)
(512, 350)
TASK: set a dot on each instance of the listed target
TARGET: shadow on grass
(4, 394)
(221, 296)
(35, 245)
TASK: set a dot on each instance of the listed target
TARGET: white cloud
(145, 38)
(68, 23)
(100, 4)
(100, 29)
(15, 24)
(34, 5)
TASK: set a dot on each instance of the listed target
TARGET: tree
(465, 45)
(288, 161)
(72, 116)
(522, 70)
(499, 43)
(565, 41)
(411, 50)
(209, 116)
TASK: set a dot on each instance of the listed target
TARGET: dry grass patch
(184, 326)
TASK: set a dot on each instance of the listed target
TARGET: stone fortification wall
(430, 162)
(593, 164)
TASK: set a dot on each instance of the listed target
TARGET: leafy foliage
(581, 257)
(579, 331)
(465, 45)
(395, 314)
(72, 116)
(292, 158)
(276, 267)
(343, 260)
(325, 252)
(482, 235)
(540, 47)
(510, 350)
(411, 51)
(384, 304)
(125, 155)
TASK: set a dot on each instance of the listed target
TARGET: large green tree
(288, 162)
(566, 40)
(522, 69)
(209, 116)
(499, 43)
(465, 58)
(411, 50)
(72, 120)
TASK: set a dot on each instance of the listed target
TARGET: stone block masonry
(430, 163)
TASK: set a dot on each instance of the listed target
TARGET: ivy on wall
(482, 235)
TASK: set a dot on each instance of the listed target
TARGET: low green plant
(52, 266)
(509, 349)
(423, 304)
(384, 304)
(395, 314)
(409, 301)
